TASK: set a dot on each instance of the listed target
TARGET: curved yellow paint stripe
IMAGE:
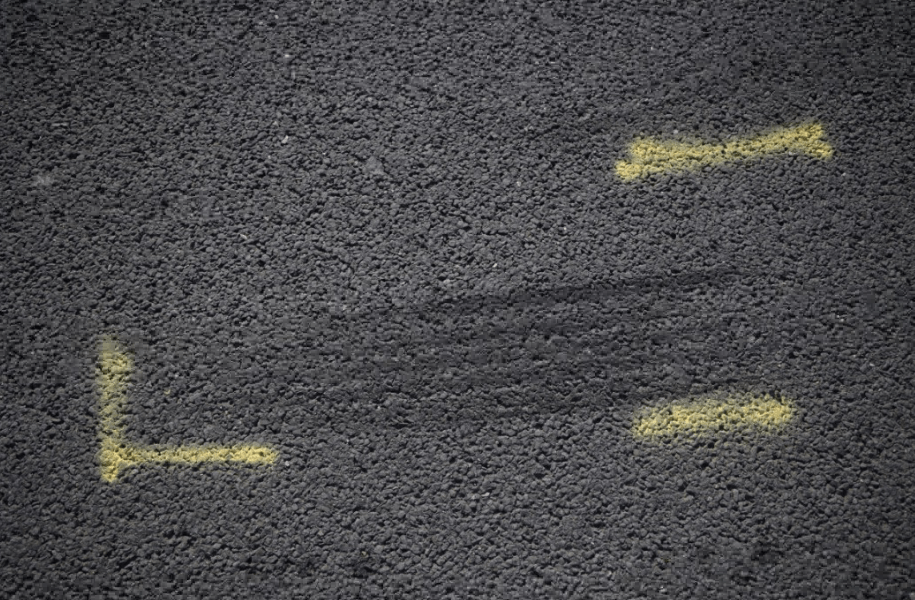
(648, 156)
(710, 416)
(116, 453)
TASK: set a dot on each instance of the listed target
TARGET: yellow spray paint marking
(648, 156)
(709, 416)
(117, 453)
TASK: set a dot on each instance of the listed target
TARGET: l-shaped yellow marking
(116, 452)
(648, 156)
(710, 416)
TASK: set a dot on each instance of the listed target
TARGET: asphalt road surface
(457, 300)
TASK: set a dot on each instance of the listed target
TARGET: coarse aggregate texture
(388, 241)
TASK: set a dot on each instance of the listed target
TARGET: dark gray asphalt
(388, 240)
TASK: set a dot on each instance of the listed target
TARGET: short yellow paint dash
(710, 416)
(116, 453)
(648, 156)
(246, 454)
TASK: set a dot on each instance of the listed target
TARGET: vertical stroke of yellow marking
(648, 156)
(709, 416)
(116, 453)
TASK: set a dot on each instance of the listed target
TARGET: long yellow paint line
(116, 453)
(709, 416)
(648, 156)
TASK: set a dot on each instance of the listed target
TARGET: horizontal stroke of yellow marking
(648, 156)
(709, 416)
(117, 453)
